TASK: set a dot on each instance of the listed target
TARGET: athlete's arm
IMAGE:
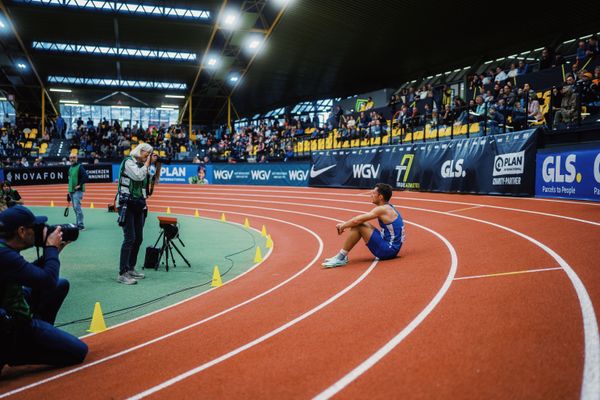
(359, 219)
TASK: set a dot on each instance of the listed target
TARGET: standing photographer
(77, 179)
(134, 178)
(31, 295)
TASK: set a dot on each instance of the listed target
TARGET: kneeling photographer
(32, 293)
(134, 186)
(8, 196)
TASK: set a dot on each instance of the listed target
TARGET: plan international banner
(499, 164)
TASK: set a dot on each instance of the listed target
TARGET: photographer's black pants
(37, 341)
(133, 235)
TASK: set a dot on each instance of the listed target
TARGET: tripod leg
(182, 256)
(171, 253)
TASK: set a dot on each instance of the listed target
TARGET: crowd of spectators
(494, 100)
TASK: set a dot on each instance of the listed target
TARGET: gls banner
(287, 174)
(573, 174)
(500, 164)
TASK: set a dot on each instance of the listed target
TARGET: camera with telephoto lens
(70, 233)
(164, 160)
(123, 200)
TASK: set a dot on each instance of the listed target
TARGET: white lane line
(253, 343)
(160, 338)
(465, 209)
(217, 193)
(591, 373)
(396, 340)
(590, 386)
(308, 190)
(529, 271)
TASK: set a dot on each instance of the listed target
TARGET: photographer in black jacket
(31, 295)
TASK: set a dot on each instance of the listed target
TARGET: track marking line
(465, 209)
(253, 343)
(185, 328)
(591, 368)
(508, 273)
(108, 197)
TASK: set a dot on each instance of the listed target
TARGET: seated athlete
(384, 243)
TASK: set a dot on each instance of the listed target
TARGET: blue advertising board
(497, 164)
(568, 173)
(178, 173)
(285, 174)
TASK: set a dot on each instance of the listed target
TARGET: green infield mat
(91, 265)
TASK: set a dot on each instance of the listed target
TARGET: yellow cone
(168, 210)
(269, 244)
(98, 325)
(264, 231)
(51, 203)
(196, 214)
(223, 217)
(246, 223)
(258, 255)
(216, 280)
(91, 205)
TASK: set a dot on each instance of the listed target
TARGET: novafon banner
(285, 174)
(55, 174)
(570, 174)
(499, 164)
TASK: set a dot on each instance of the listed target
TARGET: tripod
(168, 234)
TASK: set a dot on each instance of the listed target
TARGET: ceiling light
(234, 78)
(174, 96)
(69, 101)
(2, 98)
(123, 107)
(169, 106)
(230, 20)
(60, 90)
(253, 44)
(212, 62)
(2, 26)
(21, 65)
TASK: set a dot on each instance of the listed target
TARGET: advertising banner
(287, 174)
(569, 174)
(178, 173)
(98, 173)
(37, 175)
(49, 175)
(499, 164)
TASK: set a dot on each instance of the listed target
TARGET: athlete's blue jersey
(393, 234)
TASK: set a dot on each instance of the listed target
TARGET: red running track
(491, 297)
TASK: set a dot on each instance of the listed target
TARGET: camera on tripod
(169, 232)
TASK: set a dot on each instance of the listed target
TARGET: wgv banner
(286, 174)
(571, 174)
(499, 164)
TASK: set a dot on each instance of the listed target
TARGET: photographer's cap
(14, 217)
